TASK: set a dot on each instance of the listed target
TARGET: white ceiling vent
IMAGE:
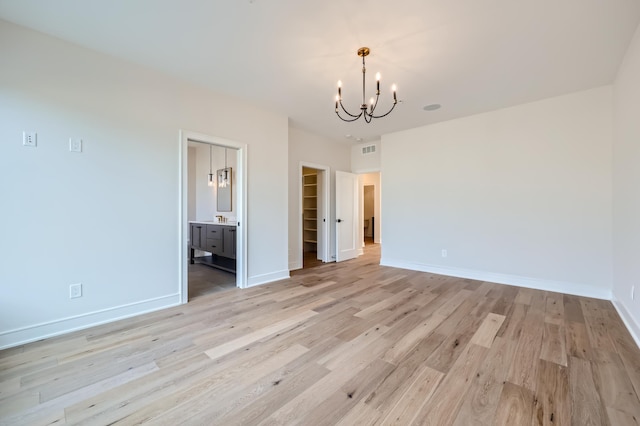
(369, 149)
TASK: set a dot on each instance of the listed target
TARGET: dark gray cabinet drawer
(214, 246)
(214, 232)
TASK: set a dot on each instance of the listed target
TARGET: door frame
(377, 201)
(326, 191)
(241, 201)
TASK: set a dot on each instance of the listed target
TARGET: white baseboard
(31, 333)
(577, 289)
(629, 321)
(267, 278)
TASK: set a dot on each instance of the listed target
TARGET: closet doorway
(314, 223)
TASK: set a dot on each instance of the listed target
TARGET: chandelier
(366, 111)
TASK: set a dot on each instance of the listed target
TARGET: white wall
(626, 192)
(520, 195)
(365, 163)
(311, 148)
(108, 217)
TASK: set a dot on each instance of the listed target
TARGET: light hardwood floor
(351, 344)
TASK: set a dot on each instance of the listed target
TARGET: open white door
(346, 216)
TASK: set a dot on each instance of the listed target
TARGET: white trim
(268, 278)
(326, 187)
(241, 213)
(242, 259)
(627, 318)
(31, 333)
(577, 289)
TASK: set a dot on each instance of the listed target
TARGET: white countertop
(210, 222)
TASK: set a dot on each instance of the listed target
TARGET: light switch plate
(75, 144)
(30, 139)
(75, 290)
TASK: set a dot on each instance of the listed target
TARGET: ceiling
(471, 56)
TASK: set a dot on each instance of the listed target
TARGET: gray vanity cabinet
(219, 240)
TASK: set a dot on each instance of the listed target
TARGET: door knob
(339, 220)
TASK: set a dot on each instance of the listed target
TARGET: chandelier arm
(375, 104)
(347, 112)
(348, 120)
(388, 112)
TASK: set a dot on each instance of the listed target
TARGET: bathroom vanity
(217, 239)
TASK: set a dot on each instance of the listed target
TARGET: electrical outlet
(75, 290)
(444, 252)
(75, 144)
(30, 139)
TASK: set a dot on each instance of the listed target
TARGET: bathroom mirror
(224, 189)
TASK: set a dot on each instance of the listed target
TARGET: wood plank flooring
(204, 280)
(351, 344)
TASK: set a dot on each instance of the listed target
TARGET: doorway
(211, 214)
(368, 217)
(212, 224)
(371, 223)
(314, 217)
